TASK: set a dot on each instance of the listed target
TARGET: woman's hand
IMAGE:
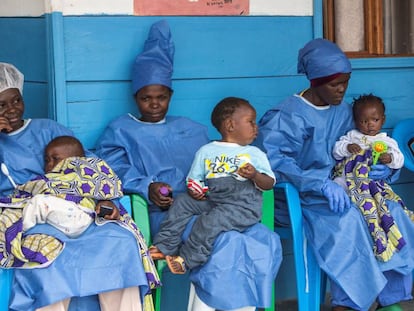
(5, 125)
(157, 198)
(115, 212)
(379, 172)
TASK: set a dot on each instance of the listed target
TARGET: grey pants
(231, 205)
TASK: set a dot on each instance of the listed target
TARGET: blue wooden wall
(78, 71)
(23, 43)
(250, 57)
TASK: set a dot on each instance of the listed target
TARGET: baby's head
(60, 148)
(235, 119)
(369, 114)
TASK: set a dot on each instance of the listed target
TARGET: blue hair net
(154, 65)
(321, 58)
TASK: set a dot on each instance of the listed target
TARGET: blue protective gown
(299, 138)
(104, 258)
(143, 152)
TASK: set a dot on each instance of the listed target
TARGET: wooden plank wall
(215, 57)
(250, 57)
(22, 43)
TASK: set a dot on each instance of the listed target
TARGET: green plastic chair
(141, 218)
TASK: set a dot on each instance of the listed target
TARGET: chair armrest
(268, 209)
(294, 206)
(141, 216)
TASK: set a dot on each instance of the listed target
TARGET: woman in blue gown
(103, 259)
(298, 135)
(155, 150)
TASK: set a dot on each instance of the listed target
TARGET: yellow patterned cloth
(154, 282)
(81, 180)
(370, 196)
(78, 179)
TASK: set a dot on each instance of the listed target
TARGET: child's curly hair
(225, 109)
(364, 100)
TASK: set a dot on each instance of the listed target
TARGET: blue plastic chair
(402, 133)
(6, 277)
(141, 218)
(310, 286)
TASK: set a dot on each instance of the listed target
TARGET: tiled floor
(291, 305)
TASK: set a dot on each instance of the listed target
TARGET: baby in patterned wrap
(65, 197)
(357, 152)
(369, 117)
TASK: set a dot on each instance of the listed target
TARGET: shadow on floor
(292, 305)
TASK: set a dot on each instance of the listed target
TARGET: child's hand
(115, 211)
(247, 171)
(354, 148)
(196, 195)
(157, 198)
(385, 158)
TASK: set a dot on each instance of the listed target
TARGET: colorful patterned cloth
(127, 222)
(370, 196)
(83, 181)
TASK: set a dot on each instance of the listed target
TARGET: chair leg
(324, 284)
(308, 277)
(314, 278)
(272, 306)
(161, 264)
(6, 277)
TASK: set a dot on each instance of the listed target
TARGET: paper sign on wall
(191, 7)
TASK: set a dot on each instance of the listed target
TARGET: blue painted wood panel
(23, 44)
(92, 105)
(393, 85)
(103, 48)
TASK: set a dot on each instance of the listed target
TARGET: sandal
(155, 253)
(176, 264)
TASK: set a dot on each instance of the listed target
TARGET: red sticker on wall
(191, 7)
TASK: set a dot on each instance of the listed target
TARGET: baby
(357, 152)
(64, 197)
(234, 172)
(369, 117)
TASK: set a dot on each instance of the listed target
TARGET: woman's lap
(104, 258)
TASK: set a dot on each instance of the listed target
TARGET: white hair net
(10, 78)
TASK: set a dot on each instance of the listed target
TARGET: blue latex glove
(338, 199)
(379, 171)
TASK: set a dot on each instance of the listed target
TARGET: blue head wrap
(321, 58)
(155, 64)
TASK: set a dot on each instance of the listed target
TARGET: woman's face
(332, 92)
(152, 102)
(11, 109)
